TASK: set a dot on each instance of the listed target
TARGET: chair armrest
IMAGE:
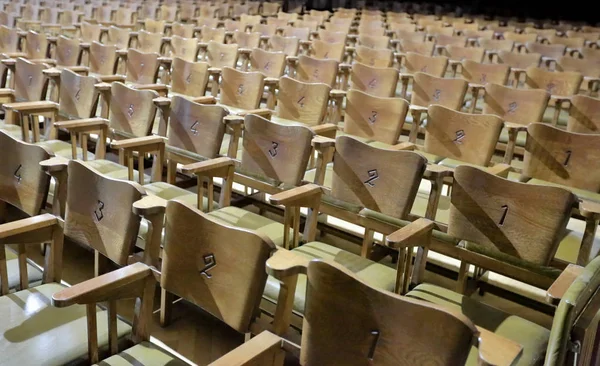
(417, 233)
(500, 170)
(31, 107)
(321, 142)
(214, 70)
(162, 101)
(52, 72)
(560, 99)
(79, 69)
(271, 81)
(497, 350)
(302, 196)
(325, 129)
(149, 205)
(167, 61)
(9, 62)
(589, 209)
(138, 142)
(214, 167)
(345, 67)
(337, 93)
(263, 112)
(476, 87)
(404, 76)
(558, 288)
(156, 87)
(111, 78)
(14, 55)
(260, 350)
(291, 59)
(124, 282)
(408, 146)
(284, 263)
(104, 86)
(81, 125)
(55, 164)
(28, 225)
(208, 99)
(515, 126)
(433, 171)
(417, 108)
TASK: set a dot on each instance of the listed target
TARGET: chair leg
(166, 307)
(463, 276)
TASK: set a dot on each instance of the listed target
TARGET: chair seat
(241, 218)
(63, 149)
(143, 354)
(114, 170)
(33, 332)
(581, 193)
(373, 273)
(533, 337)
(563, 117)
(34, 275)
(521, 137)
(12, 130)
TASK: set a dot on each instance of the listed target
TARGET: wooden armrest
(155, 87)
(233, 119)
(254, 352)
(102, 86)
(451, 62)
(406, 76)
(500, 170)
(560, 99)
(208, 99)
(345, 67)
(30, 224)
(78, 123)
(515, 126)
(207, 166)
(165, 60)
(304, 42)
(162, 101)
(324, 128)
(558, 288)
(48, 61)
(111, 78)
(417, 108)
(40, 106)
(214, 70)
(137, 142)
(589, 209)
(78, 69)
(284, 263)
(321, 142)
(303, 196)
(518, 71)
(476, 86)
(13, 56)
(110, 286)
(52, 72)
(85, 45)
(433, 171)
(9, 61)
(263, 112)
(497, 350)
(417, 233)
(409, 146)
(291, 59)
(149, 205)
(122, 53)
(55, 164)
(337, 93)
(271, 81)
(245, 51)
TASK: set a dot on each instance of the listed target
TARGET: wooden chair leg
(463, 276)
(166, 306)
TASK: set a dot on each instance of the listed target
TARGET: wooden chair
(312, 70)
(381, 82)
(583, 114)
(120, 37)
(381, 57)
(327, 51)
(479, 75)
(154, 26)
(588, 68)
(422, 48)
(37, 48)
(183, 48)
(241, 92)
(183, 30)
(518, 63)
(218, 56)
(287, 45)
(332, 37)
(458, 54)
(149, 42)
(550, 53)
(493, 46)
(272, 64)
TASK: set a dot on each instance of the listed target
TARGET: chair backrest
(313, 70)
(22, 183)
(476, 72)
(301, 33)
(208, 34)
(376, 57)
(520, 37)
(590, 53)
(279, 23)
(428, 89)
(154, 26)
(519, 60)
(67, 51)
(335, 295)
(232, 25)
(373, 41)
(209, 22)
(241, 89)
(124, 16)
(562, 157)
(189, 78)
(149, 42)
(563, 83)
(483, 213)
(183, 30)
(246, 40)
(274, 151)
(313, 25)
(546, 50)
(98, 212)
(584, 114)
(195, 128)
(496, 44)
(184, 48)
(375, 118)
(30, 82)
(167, 12)
(570, 42)
(268, 30)
(10, 39)
(377, 81)
(332, 37)
(412, 37)
(432, 65)
(583, 66)
(90, 32)
(302, 102)
(470, 138)
(272, 64)
(270, 9)
(439, 30)
(77, 98)
(515, 105)
(328, 51)
(103, 58)
(460, 53)
(132, 111)
(36, 45)
(142, 67)
(250, 20)
(119, 37)
(287, 45)
(221, 55)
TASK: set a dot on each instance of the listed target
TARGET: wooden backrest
(221, 55)
(460, 53)
(118, 37)
(313, 25)
(67, 51)
(402, 27)
(519, 60)
(381, 82)
(373, 41)
(422, 48)
(376, 57)
(78, 97)
(250, 20)
(414, 37)
(149, 42)
(287, 45)
(279, 23)
(270, 9)
(272, 64)
(30, 82)
(562, 157)
(287, 16)
(470, 138)
(98, 212)
(103, 58)
(496, 213)
(591, 53)
(189, 78)
(313, 70)
(480, 34)
(445, 40)
(335, 295)
(184, 30)
(584, 115)
(515, 105)
(332, 37)
(36, 45)
(233, 25)
(428, 89)
(546, 50)
(210, 22)
(167, 12)
(22, 183)
(184, 48)
(274, 151)
(302, 102)
(554, 82)
(571, 42)
(195, 128)
(241, 89)
(217, 267)
(584, 66)
(9, 39)
(142, 68)
(265, 29)
(520, 37)
(154, 26)
(90, 32)
(209, 34)
(328, 51)
(246, 40)
(496, 44)
(132, 111)
(301, 33)
(438, 29)
(588, 36)
(476, 72)
(124, 16)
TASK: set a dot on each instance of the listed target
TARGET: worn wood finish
(428, 90)
(132, 111)
(496, 45)
(189, 78)
(328, 51)
(302, 102)
(241, 89)
(142, 67)
(481, 212)
(36, 46)
(288, 45)
(375, 118)
(332, 288)
(77, 96)
(313, 70)
(519, 60)
(566, 158)
(29, 80)
(272, 64)
(521, 106)
(184, 48)
(221, 55)
(584, 115)
(377, 81)
(470, 138)
(376, 57)
(67, 51)
(583, 66)
(435, 66)
(479, 73)
(103, 59)
(279, 152)
(565, 83)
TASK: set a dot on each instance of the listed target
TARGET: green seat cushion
(12, 130)
(533, 337)
(309, 176)
(239, 217)
(373, 273)
(521, 137)
(581, 193)
(33, 332)
(420, 207)
(63, 149)
(34, 275)
(143, 354)
(114, 170)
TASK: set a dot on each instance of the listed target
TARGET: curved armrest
(407, 146)
(434, 171)
(515, 126)
(292, 60)
(31, 107)
(104, 86)
(558, 288)
(500, 170)
(326, 129)
(149, 205)
(417, 233)
(560, 99)
(263, 347)
(79, 69)
(52, 72)
(162, 101)
(212, 167)
(9, 62)
(271, 81)
(589, 209)
(139, 143)
(497, 350)
(322, 142)
(284, 263)
(308, 195)
(111, 78)
(55, 164)
(125, 282)
(28, 225)
(263, 112)
(208, 99)
(337, 93)
(82, 125)
(156, 87)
